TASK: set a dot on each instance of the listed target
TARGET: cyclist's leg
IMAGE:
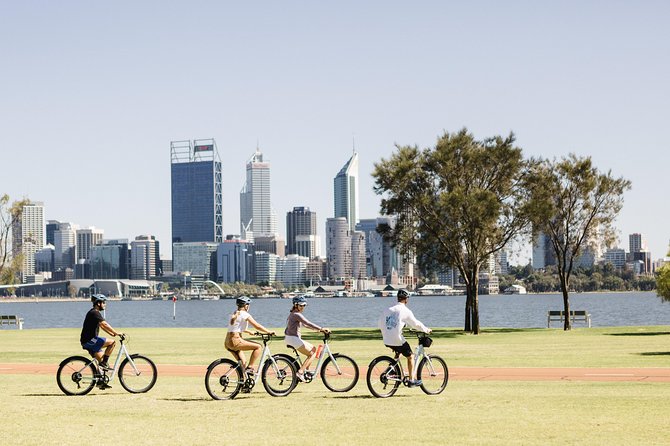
(109, 348)
(254, 347)
(309, 351)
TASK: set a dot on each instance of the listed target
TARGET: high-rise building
(543, 252)
(52, 227)
(144, 257)
(87, 238)
(256, 215)
(197, 259)
(338, 249)
(235, 261)
(269, 243)
(110, 259)
(197, 214)
(345, 187)
(28, 236)
(358, 263)
(291, 270)
(266, 267)
(615, 256)
(639, 254)
(636, 243)
(65, 246)
(301, 235)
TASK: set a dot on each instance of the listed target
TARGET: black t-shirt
(91, 325)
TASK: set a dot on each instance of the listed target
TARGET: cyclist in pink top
(292, 333)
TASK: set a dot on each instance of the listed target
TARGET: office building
(345, 187)
(615, 256)
(28, 237)
(197, 259)
(301, 236)
(358, 259)
(256, 215)
(291, 270)
(197, 214)
(338, 249)
(266, 267)
(144, 257)
(110, 259)
(87, 238)
(543, 252)
(235, 261)
(65, 242)
(269, 243)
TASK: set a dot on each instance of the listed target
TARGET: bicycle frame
(325, 353)
(418, 354)
(265, 355)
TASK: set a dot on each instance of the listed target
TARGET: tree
(456, 204)
(10, 263)
(663, 281)
(574, 205)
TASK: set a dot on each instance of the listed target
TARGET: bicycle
(226, 378)
(385, 373)
(338, 372)
(78, 375)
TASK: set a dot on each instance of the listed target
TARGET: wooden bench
(11, 319)
(575, 316)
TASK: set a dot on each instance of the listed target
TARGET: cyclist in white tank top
(238, 324)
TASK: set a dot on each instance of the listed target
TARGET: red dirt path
(655, 374)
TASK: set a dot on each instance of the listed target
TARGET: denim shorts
(94, 345)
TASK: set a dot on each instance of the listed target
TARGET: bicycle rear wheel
(278, 376)
(434, 374)
(384, 376)
(137, 375)
(223, 379)
(76, 375)
(345, 379)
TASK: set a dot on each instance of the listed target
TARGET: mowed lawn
(179, 411)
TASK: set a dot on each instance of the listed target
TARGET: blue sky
(92, 93)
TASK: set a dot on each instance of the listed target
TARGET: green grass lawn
(178, 411)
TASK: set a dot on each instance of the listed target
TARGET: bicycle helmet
(299, 300)
(243, 300)
(98, 298)
(402, 294)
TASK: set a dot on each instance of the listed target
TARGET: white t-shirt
(240, 325)
(393, 320)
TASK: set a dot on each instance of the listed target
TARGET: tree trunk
(468, 311)
(474, 293)
(566, 303)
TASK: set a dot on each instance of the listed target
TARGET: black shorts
(404, 349)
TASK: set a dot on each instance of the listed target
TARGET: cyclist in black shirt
(89, 333)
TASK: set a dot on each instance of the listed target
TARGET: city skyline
(98, 112)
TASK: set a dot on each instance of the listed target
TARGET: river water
(513, 311)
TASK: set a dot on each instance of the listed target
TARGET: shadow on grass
(650, 333)
(374, 334)
(361, 397)
(45, 394)
(187, 400)
(654, 354)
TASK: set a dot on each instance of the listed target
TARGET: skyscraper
(301, 235)
(144, 257)
(338, 249)
(28, 236)
(65, 244)
(256, 215)
(346, 192)
(87, 238)
(197, 214)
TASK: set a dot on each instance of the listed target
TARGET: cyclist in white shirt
(238, 324)
(391, 323)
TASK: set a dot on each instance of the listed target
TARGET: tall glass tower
(197, 214)
(346, 192)
(256, 215)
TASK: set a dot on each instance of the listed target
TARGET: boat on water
(515, 289)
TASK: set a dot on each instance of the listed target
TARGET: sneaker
(104, 386)
(104, 366)
(301, 377)
(250, 372)
(415, 383)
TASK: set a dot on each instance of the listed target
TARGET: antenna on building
(353, 142)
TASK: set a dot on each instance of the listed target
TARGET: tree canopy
(574, 205)
(663, 281)
(10, 263)
(456, 203)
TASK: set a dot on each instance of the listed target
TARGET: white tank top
(240, 325)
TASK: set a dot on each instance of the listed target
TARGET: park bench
(11, 319)
(575, 316)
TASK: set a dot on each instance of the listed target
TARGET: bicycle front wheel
(223, 379)
(278, 376)
(384, 376)
(343, 380)
(434, 374)
(76, 375)
(137, 374)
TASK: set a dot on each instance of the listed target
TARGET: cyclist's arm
(258, 326)
(413, 322)
(314, 327)
(108, 328)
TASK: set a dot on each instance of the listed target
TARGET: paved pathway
(647, 374)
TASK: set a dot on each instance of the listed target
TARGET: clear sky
(93, 92)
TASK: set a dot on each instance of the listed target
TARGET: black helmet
(402, 294)
(243, 300)
(98, 298)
